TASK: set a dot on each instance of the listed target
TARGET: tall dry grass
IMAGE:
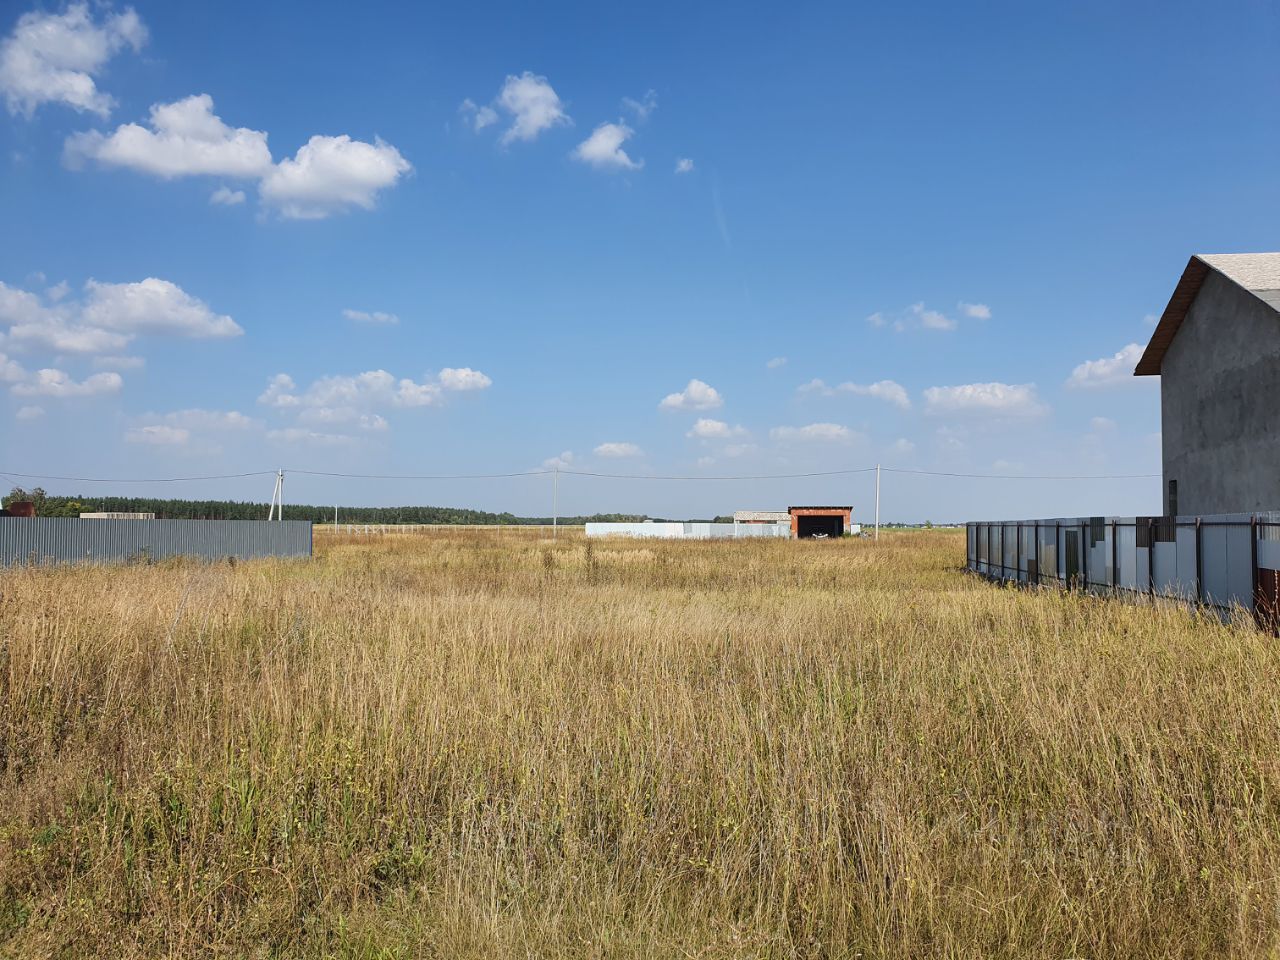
(458, 745)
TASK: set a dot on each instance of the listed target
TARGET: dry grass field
(462, 745)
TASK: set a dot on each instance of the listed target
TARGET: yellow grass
(462, 745)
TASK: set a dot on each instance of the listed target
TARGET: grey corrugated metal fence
(1224, 561)
(68, 539)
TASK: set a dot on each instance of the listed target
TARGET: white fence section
(1224, 561)
(690, 531)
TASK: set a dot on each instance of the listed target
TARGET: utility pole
(877, 501)
(335, 517)
(277, 498)
(555, 503)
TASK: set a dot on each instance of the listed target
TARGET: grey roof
(1258, 273)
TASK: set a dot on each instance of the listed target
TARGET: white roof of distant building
(761, 516)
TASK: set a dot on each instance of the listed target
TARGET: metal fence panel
(70, 539)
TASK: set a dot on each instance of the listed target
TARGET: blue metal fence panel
(70, 539)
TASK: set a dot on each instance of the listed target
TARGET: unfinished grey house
(1217, 353)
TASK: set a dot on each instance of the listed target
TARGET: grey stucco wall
(1220, 404)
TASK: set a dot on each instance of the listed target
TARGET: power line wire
(1016, 476)
(46, 476)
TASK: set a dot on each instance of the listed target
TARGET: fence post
(1085, 549)
(1199, 562)
(1253, 565)
(1115, 565)
(1151, 556)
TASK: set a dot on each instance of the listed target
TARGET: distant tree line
(49, 505)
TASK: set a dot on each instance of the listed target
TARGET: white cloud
(119, 363)
(932, 319)
(159, 435)
(975, 311)
(280, 392)
(776, 362)
(684, 165)
(886, 390)
(644, 107)
(533, 106)
(818, 432)
(902, 447)
(206, 420)
(463, 378)
(53, 57)
(109, 317)
(10, 370)
(1109, 371)
(696, 396)
(377, 316)
(331, 174)
(617, 450)
(369, 422)
(707, 429)
(186, 139)
(153, 306)
(561, 462)
(309, 437)
(226, 197)
(29, 413)
(877, 319)
(1000, 400)
(56, 383)
(603, 149)
(481, 117)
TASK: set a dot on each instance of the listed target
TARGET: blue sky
(921, 235)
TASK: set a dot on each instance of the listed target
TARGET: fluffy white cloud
(280, 392)
(932, 319)
(1109, 371)
(10, 370)
(331, 174)
(481, 117)
(109, 317)
(345, 416)
(616, 450)
(776, 362)
(226, 197)
(56, 383)
(53, 57)
(820, 432)
(377, 316)
(207, 420)
(684, 165)
(707, 429)
(644, 107)
(297, 435)
(603, 149)
(560, 462)
(463, 378)
(186, 139)
(532, 104)
(886, 390)
(153, 306)
(159, 435)
(999, 400)
(975, 311)
(119, 363)
(29, 413)
(696, 396)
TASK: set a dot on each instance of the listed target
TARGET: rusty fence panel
(71, 539)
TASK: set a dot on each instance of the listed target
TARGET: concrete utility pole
(877, 501)
(555, 503)
(277, 498)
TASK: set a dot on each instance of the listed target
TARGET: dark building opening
(831, 526)
(809, 522)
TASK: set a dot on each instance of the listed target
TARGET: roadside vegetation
(460, 745)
